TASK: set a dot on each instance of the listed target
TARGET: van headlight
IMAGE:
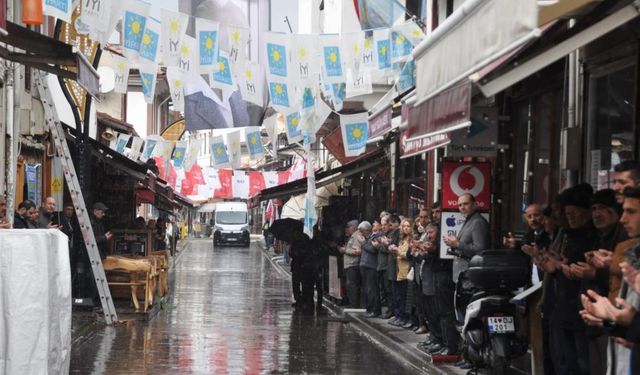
(245, 228)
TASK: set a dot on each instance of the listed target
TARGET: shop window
(611, 120)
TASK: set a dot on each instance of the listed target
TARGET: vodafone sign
(459, 178)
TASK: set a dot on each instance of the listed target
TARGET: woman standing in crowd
(402, 270)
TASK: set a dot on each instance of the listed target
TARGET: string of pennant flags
(305, 78)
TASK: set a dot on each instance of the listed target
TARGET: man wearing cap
(102, 238)
(352, 253)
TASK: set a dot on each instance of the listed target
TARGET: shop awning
(207, 207)
(324, 178)
(448, 111)
(333, 142)
(50, 55)
(478, 32)
(577, 37)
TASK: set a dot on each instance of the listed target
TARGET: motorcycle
(490, 330)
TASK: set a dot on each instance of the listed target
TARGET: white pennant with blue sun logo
(134, 19)
(332, 58)
(150, 45)
(207, 36)
(219, 152)
(253, 139)
(355, 133)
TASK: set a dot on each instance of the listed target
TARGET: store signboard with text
(466, 177)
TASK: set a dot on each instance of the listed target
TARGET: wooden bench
(140, 274)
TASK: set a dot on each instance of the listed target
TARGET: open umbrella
(283, 229)
(294, 208)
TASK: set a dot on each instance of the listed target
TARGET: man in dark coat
(99, 210)
(20, 216)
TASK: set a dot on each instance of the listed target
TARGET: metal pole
(13, 127)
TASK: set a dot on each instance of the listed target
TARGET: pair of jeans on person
(371, 293)
(399, 294)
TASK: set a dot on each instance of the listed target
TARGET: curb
(412, 357)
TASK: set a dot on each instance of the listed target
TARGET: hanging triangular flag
(352, 45)
(219, 152)
(176, 87)
(121, 71)
(270, 179)
(369, 61)
(251, 82)
(304, 56)
(292, 127)
(338, 94)
(197, 174)
(96, 14)
(60, 9)
(134, 19)
(279, 93)
(148, 78)
(207, 35)
(277, 49)
(136, 145)
(179, 153)
(355, 133)
(112, 16)
(150, 44)
(193, 151)
(223, 77)
(234, 148)
(174, 26)
(149, 147)
(401, 47)
(406, 78)
(332, 58)
(253, 140)
(240, 185)
(412, 31)
(188, 56)
(271, 127)
(358, 83)
(238, 38)
(382, 46)
(121, 143)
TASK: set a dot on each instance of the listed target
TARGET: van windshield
(229, 217)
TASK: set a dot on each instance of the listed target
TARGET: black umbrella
(283, 229)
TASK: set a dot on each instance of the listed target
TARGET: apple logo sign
(451, 221)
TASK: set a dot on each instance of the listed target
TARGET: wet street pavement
(231, 313)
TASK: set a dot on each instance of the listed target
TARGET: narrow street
(231, 313)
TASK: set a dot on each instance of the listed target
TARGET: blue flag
(401, 47)
(355, 133)
(279, 94)
(219, 152)
(277, 59)
(133, 30)
(254, 142)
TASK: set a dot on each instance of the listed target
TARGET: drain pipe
(13, 127)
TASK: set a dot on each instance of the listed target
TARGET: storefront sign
(415, 147)
(446, 112)
(380, 123)
(459, 178)
(451, 223)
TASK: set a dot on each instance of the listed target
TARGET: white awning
(474, 35)
(561, 50)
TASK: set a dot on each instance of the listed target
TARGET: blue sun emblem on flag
(308, 100)
(219, 153)
(279, 94)
(133, 29)
(357, 135)
(148, 80)
(293, 124)
(384, 57)
(149, 46)
(277, 59)
(332, 61)
(208, 42)
(254, 143)
(223, 75)
(400, 45)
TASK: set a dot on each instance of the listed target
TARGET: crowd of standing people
(583, 248)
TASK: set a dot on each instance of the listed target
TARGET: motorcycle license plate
(501, 324)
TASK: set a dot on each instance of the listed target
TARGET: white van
(231, 223)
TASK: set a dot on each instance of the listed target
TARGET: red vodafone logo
(460, 178)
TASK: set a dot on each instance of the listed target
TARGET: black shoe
(434, 348)
(445, 352)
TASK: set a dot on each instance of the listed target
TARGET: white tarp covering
(35, 302)
(474, 35)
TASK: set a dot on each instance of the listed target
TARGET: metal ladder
(62, 151)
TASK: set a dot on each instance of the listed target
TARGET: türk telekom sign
(462, 177)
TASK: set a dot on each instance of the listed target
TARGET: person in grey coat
(472, 238)
(352, 252)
